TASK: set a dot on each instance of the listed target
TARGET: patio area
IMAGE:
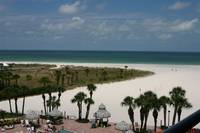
(69, 125)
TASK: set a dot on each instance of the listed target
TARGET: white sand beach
(166, 77)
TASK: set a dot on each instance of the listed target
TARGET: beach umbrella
(55, 113)
(31, 115)
(129, 131)
(123, 126)
(102, 112)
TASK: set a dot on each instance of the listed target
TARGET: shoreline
(98, 64)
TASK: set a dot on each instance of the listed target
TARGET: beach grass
(73, 76)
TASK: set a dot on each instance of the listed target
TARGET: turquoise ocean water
(125, 57)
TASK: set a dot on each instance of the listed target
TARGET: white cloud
(103, 28)
(184, 26)
(179, 5)
(64, 25)
(70, 8)
(76, 23)
(78, 19)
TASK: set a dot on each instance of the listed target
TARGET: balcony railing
(186, 124)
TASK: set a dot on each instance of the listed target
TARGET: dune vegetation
(21, 80)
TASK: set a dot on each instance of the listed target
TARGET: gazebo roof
(102, 107)
(102, 112)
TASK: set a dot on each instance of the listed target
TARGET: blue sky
(139, 25)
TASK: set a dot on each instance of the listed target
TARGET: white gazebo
(102, 115)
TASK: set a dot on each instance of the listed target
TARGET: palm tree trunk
(146, 119)
(155, 116)
(165, 116)
(50, 98)
(174, 116)
(87, 111)
(79, 111)
(47, 108)
(23, 105)
(141, 119)
(16, 108)
(179, 115)
(141, 126)
(10, 105)
(155, 124)
(59, 94)
(133, 123)
(44, 103)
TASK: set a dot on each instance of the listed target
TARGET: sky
(134, 25)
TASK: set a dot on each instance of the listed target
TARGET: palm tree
(72, 77)
(145, 101)
(9, 95)
(104, 74)
(121, 73)
(76, 75)
(149, 98)
(7, 77)
(53, 103)
(126, 67)
(164, 101)
(28, 77)
(88, 102)
(87, 70)
(44, 81)
(50, 96)
(60, 89)
(183, 104)
(156, 107)
(16, 77)
(91, 88)
(24, 91)
(176, 95)
(66, 70)
(58, 75)
(79, 98)
(16, 98)
(129, 101)
(140, 103)
(63, 80)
